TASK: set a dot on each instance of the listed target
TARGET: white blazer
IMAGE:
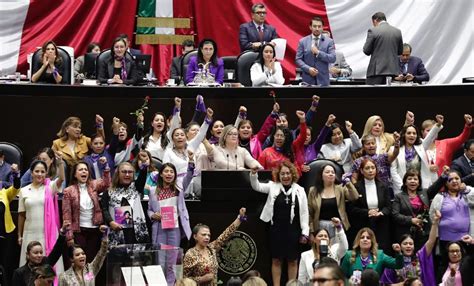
(261, 77)
(399, 165)
(336, 251)
(273, 190)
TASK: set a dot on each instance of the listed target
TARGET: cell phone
(323, 248)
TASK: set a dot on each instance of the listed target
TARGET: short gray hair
(257, 6)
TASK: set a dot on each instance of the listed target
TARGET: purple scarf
(410, 154)
(123, 72)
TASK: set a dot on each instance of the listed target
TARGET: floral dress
(195, 265)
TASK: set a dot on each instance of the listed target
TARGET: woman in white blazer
(286, 209)
(266, 70)
(336, 250)
(412, 155)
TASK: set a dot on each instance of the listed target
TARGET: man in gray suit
(340, 68)
(384, 44)
(314, 54)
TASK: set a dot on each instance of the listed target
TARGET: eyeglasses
(126, 172)
(261, 13)
(456, 251)
(320, 281)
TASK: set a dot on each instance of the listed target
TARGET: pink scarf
(447, 276)
(51, 218)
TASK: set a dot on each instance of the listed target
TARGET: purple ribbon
(123, 72)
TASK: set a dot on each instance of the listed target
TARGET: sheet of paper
(154, 275)
(280, 48)
(133, 276)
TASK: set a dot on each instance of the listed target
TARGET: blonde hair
(386, 139)
(373, 247)
(255, 281)
(225, 133)
(74, 121)
(116, 179)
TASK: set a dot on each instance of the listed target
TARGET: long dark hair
(160, 179)
(164, 138)
(200, 57)
(403, 134)
(112, 52)
(52, 170)
(319, 181)
(287, 146)
(333, 126)
(260, 58)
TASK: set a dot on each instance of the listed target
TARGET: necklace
(287, 194)
(180, 154)
(243, 144)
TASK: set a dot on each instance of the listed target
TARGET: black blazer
(464, 168)
(359, 218)
(23, 275)
(175, 70)
(402, 212)
(106, 70)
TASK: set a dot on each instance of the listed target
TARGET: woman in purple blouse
(417, 264)
(453, 203)
(206, 59)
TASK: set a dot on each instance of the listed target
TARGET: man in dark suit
(256, 33)
(411, 68)
(384, 44)
(465, 163)
(314, 54)
(175, 70)
(133, 52)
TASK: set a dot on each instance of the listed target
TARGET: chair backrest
(230, 65)
(185, 62)
(244, 62)
(66, 54)
(13, 153)
(103, 57)
(309, 179)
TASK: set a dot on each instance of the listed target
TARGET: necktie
(260, 33)
(316, 42)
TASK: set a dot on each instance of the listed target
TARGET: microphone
(227, 161)
(236, 162)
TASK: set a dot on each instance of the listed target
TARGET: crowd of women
(396, 197)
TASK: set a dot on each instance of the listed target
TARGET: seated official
(175, 70)
(266, 69)
(340, 68)
(412, 68)
(52, 68)
(207, 61)
(119, 67)
(79, 62)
